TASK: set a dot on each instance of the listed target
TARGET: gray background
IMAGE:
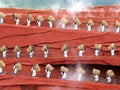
(45, 4)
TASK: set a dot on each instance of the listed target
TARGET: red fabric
(100, 11)
(55, 38)
(52, 83)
